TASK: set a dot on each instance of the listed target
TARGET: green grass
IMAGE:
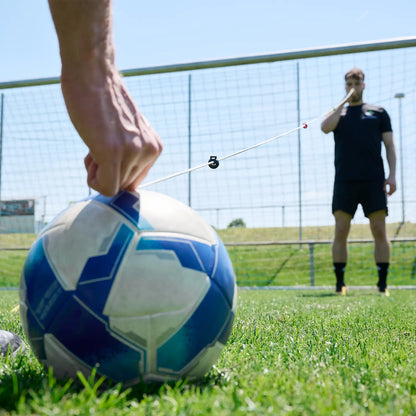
(358, 231)
(289, 265)
(290, 353)
(274, 265)
(11, 262)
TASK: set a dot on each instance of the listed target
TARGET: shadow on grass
(354, 293)
(19, 384)
(213, 378)
(281, 267)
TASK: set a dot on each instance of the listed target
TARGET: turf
(273, 265)
(290, 353)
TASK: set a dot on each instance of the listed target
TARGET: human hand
(391, 184)
(349, 97)
(122, 144)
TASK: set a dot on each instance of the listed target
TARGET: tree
(238, 222)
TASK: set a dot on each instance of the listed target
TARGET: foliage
(238, 222)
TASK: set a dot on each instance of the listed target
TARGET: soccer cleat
(341, 290)
(10, 343)
(384, 292)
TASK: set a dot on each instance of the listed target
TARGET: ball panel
(170, 215)
(88, 337)
(201, 330)
(154, 329)
(98, 275)
(146, 277)
(64, 363)
(89, 234)
(128, 205)
(34, 332)
(224, 275)
(204, 362)
(45, 295)
(225, 333)
(65, 218)
(186, 250)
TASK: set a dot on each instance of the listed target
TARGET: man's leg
(340, 249)
(381, 247)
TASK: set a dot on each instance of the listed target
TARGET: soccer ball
(137, 285)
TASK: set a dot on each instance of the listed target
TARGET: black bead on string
(213, 162)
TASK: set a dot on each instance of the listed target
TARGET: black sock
(339, 269)
(383, 269)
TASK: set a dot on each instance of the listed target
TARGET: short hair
(355, 73)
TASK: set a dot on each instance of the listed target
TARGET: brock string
(214, 162)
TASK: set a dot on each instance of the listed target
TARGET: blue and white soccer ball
(137, 285)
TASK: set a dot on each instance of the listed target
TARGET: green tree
(238, 222)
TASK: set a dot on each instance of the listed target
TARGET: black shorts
(347, 196)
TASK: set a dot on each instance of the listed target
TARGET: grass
(274, 265)
(358, 231)
(288, 265)
(290, 353)
(11, 262)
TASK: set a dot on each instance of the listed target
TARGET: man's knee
(342, 225)
(378, 225)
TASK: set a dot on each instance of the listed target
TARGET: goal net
(278, 192)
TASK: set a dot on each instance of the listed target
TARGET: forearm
(331, 120)
(84, 30)
(391, 160)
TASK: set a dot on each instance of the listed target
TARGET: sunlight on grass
(290, 353)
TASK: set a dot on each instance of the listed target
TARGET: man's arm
(122, 145)
(331, 120)
(388, 141)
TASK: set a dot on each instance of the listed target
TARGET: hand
(391, 183)
(349, 97)
(122, 145)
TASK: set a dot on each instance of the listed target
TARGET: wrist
(89, 67)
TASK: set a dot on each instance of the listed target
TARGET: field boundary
(395, 287)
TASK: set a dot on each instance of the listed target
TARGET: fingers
(140, 167)
(391, 187)
(139, 179)
(109, 177)
(349, 95)
(104, 177)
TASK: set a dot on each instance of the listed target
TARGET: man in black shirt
(359, 129)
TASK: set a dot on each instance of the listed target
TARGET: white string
(303, 126)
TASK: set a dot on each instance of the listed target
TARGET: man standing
(359, 129)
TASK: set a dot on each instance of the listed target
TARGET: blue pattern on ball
(89, 338)
(124, 203)
(45, 296)
(75, 317)
(98, 275)
(191, 254)
(200, 331)
(58, 312)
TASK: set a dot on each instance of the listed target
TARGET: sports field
(290, 353)
(275, 265)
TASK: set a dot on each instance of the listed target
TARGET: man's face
(358, 86)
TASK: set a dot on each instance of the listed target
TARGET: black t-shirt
(358, 143)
